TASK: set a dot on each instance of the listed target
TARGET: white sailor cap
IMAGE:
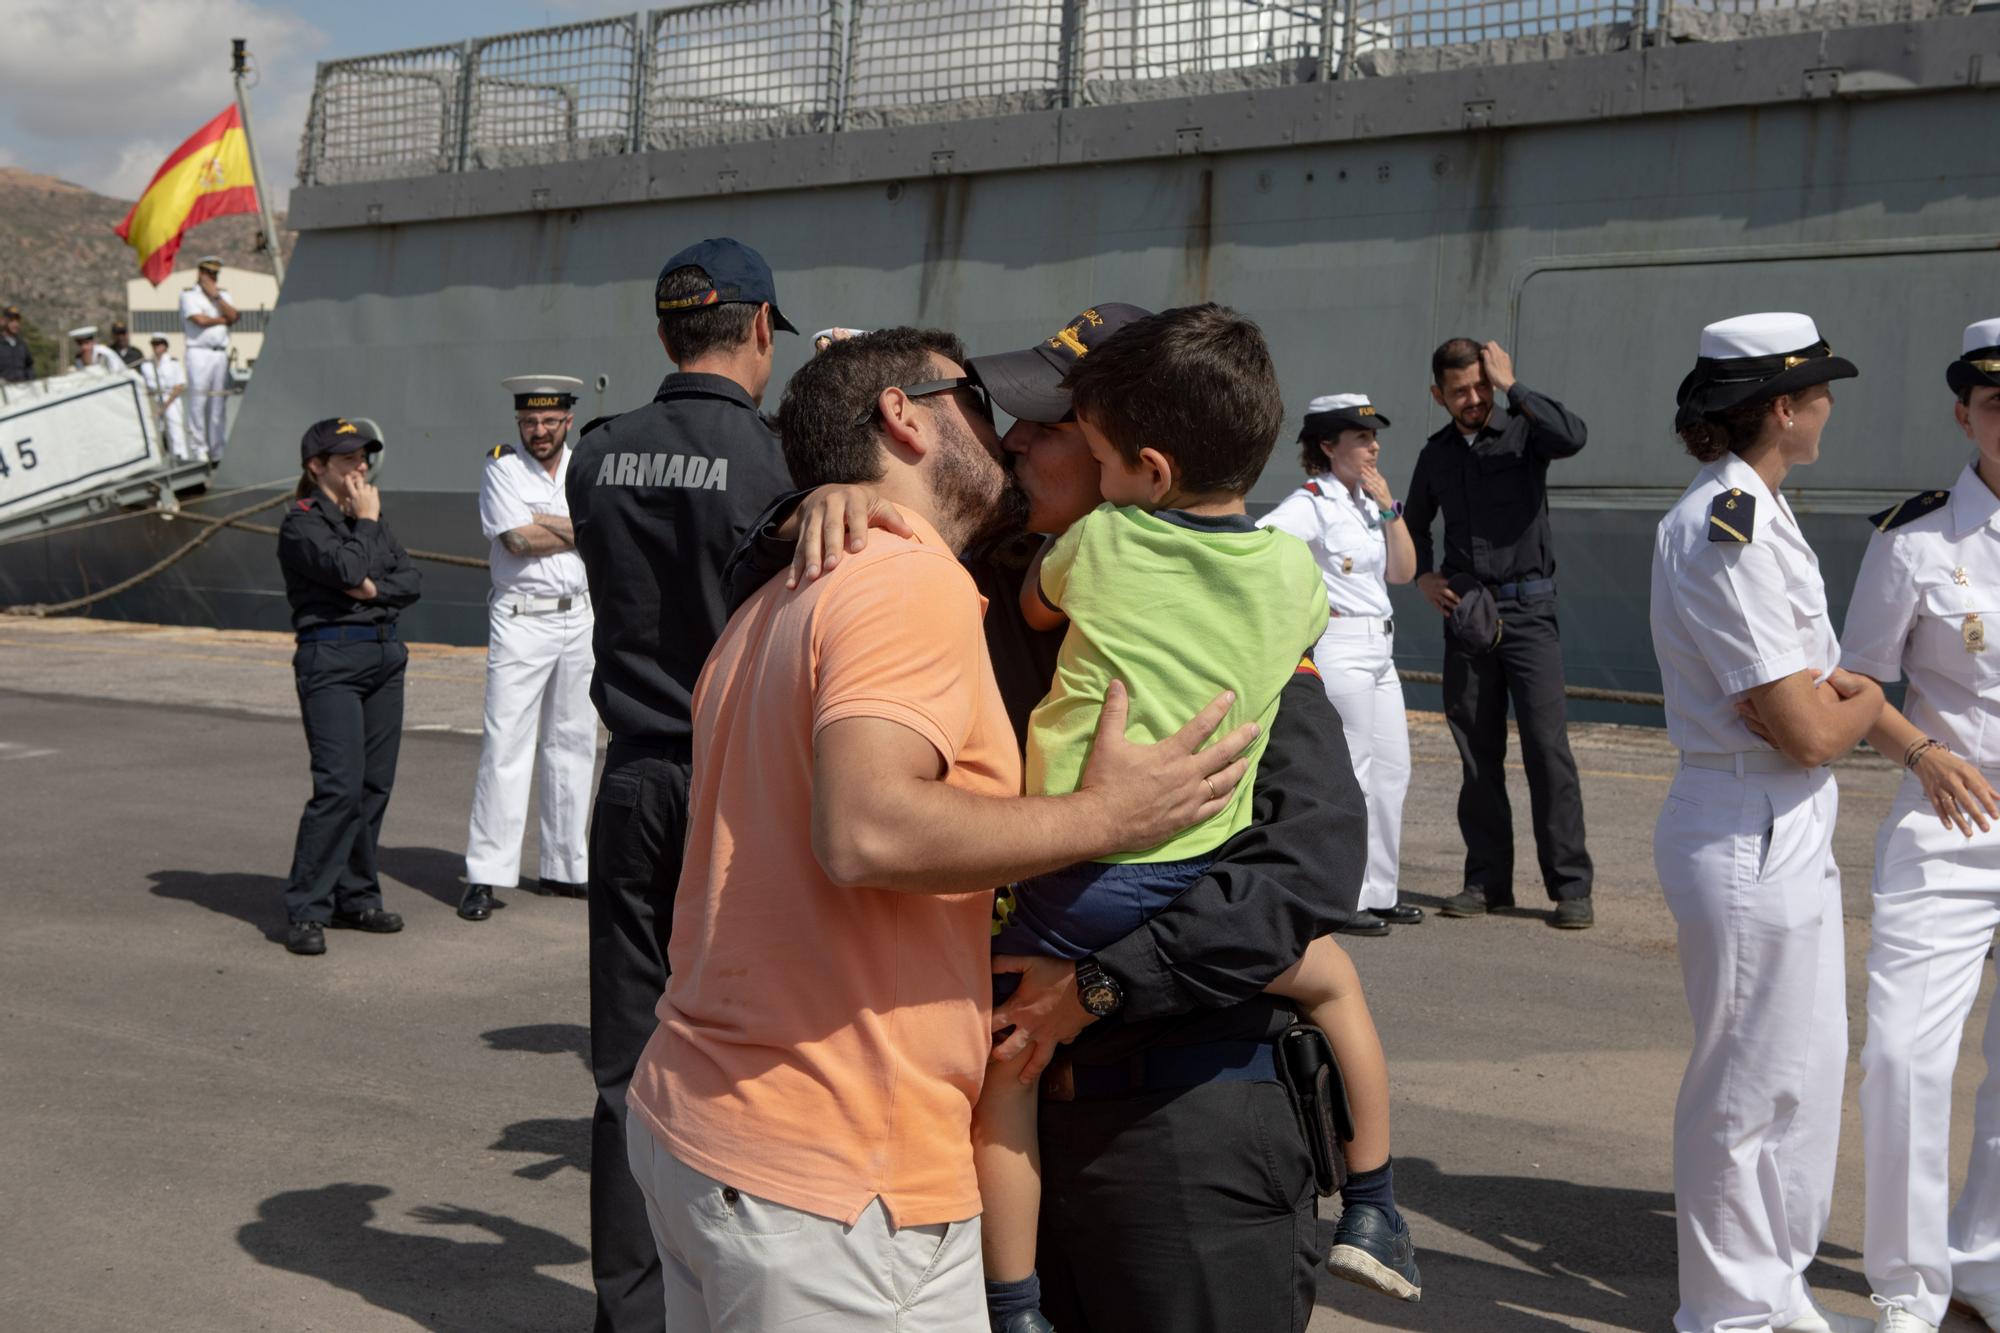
(87, 331)
(1979, 357)
(209, 261)
(1331, 413)
(536, 392)
(1753, 358)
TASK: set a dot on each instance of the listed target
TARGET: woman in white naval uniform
(538, 659)
(1927, 602)
(1345, 513)
(1744, 845)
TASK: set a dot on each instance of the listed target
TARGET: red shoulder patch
(305, 504)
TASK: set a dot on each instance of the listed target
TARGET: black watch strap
(1096, 991)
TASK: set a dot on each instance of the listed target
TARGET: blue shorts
(1076, 911)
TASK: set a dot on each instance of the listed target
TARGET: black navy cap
(736, 274)
(1475, 621)
(1028, 385)
(335, 435)
(10, 312)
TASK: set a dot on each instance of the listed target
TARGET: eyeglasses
(981, 403)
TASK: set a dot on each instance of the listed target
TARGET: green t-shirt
(1180, 607)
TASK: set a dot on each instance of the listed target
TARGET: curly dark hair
(825, 419)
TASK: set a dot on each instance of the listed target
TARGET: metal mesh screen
(1404, 24)
(1159, 39)
(741, 67)
(384, 116)
(912, 59)
(553, 93)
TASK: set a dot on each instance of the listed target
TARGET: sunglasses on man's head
(980, 401)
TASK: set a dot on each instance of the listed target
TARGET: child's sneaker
(1370, 1251)
(1028, 1321)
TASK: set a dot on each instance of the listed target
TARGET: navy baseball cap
(1027, 385)
(736, 274)
(335, 435)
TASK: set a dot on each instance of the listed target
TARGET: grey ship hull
(1587, 218)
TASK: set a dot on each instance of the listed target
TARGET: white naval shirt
(214, 337)
(101, 358)
(1344, 530)
(513, 490)
(1730, 615)
(1919, 584)
(163, 377)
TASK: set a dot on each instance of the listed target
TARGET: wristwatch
(1095, 990)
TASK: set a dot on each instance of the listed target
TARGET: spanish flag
(207, 177)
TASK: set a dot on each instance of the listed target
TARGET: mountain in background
(64, 266)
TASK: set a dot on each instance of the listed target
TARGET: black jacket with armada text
(323, 553)
(659, 497)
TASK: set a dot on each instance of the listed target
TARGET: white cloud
(100, 91)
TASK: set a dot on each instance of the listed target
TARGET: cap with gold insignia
(736, 275)
(1755, 358)
(1028, 385)
(1330, 414)
(209, 263)
(335, 435)
(10, 312)
(1979, 357)
(118, 326)
(84, 334)
(539, 393)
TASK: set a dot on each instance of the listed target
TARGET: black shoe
(305, 937)
(1364, 923)
(477, 904)
(1028, 1321)
(1402, 914)
(371, 919)
(1573, 914)
(560, 888)
(1369, 1252)
(1470, 902)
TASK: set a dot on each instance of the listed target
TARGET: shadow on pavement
(543, 1039)
(431, 871)
(448, 1286)
(258, 900)
(1566, 1253)
(559, 1143)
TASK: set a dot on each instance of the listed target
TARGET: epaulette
(500, 451)
(1733, 517)
(595, 422)
(1903, 511)
(305, 502)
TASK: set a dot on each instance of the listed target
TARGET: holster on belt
(1309, 1073)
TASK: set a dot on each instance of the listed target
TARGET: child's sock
(1377, 1187)
(1004, 1300)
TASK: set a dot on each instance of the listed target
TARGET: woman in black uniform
(347, 579)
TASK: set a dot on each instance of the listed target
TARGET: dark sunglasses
(981, 403)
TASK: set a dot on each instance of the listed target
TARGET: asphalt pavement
(202, 1132)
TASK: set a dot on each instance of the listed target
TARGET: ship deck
(204, 1132)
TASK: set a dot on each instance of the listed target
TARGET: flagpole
(237, 63)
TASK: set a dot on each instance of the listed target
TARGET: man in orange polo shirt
(802, 1116)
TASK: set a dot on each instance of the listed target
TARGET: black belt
(348, 633)
(1514, 592)
(1162, 1069)
(623, 752)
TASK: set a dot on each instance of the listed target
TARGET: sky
(100, 91)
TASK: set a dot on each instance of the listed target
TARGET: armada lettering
(690, 472)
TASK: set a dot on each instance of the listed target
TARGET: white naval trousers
(1746, 864)
(538, 669)
(1356, 663)
(175, 415)
(207, 407)
(1937, 903)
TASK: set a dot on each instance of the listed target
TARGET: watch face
(1099, 998)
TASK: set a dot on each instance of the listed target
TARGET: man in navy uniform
(658, 498)
(17, 363)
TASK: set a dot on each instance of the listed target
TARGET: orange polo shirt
(821, 1046)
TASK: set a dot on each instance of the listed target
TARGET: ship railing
(735, 70)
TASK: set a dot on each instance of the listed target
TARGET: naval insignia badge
(1733, 517)
(1347, 564)
(1974, 633)
(1958, 576)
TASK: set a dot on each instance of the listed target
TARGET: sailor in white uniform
(92, 354)
(538, 659)
(1346, 513)
(1744, 845)
(206, 315)
(1927, 603)
(166, 382)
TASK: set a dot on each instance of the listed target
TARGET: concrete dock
(202, 1132)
